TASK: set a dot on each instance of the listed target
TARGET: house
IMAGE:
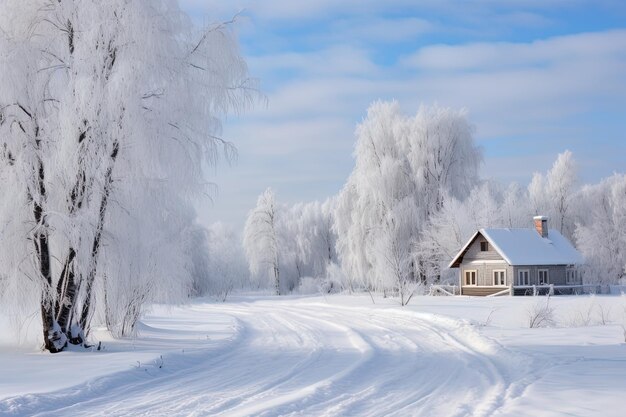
(518, 260)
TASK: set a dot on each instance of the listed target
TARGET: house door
(523, 277)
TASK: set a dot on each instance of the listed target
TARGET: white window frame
(493, 276)
(519, 273)
(571, 276)
(547, 271)
(465, 277)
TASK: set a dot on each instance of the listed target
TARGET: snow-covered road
(287, 357)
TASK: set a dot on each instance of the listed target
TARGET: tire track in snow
(292, 358)
(427, 399)
(96, 392)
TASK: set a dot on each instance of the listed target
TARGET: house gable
(472, 251)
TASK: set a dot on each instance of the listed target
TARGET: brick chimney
(541, 225)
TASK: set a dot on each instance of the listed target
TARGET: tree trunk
(67, 287)
(67, 295)
(276, 279)
(53, 337)
(85, 315)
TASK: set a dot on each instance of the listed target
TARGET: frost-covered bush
(309, 285)
(336, 280)
(540, 314)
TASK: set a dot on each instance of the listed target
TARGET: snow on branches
(405, 169)
(285, 244)
(108, 113)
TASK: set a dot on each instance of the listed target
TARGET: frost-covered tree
(561, 182)
(374, 187)
(301, 241)
(442, 152)
(488, 205)
(601, 235)
(224, 266)
(394, 251)
(260, 240)
(553, 194)
(98, 102)
(306, 240)
(537, 195)
(292, 246)
(515, 209)
(405, 168)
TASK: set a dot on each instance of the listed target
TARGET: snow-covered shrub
(604, 314)
(335, 280)
(309, 285)
(591, 311)
(581, 314)
(540, 314)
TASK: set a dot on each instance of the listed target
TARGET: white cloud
(380, 30)
(509, 88)
(291, 137)
(544, 93)
(334, 61)
(519, 11)
(571, 49)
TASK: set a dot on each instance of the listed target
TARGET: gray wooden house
(519, 260)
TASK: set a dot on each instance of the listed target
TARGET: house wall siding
(484, 272)
(556, 274)
(475, 254)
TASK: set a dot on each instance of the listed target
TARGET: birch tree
(227, 268)
(260, 240)
(306, 240)
(601, 235)
(552, 194)
(100, 101)
(561, 183)
(404, 170)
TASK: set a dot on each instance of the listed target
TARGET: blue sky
(538, 77)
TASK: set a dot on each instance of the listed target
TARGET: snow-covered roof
(526, 247)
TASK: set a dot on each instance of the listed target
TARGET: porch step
(481, 291)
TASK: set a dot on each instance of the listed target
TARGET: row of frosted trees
(108, 113)
(284, 244)
(405, 169)
(413, 199)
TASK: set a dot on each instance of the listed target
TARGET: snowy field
(336, 355)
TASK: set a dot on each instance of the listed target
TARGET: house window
(571, 276)
(470, 277)
(484, 246)
(499, 277)
(523, 277)
(544, 278)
